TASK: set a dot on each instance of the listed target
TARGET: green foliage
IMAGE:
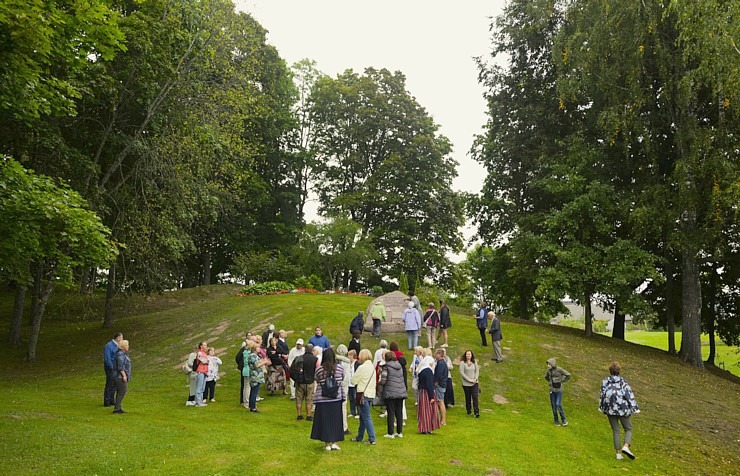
(263, 266)
(403, 283)
(311, 282)
(376, 291)
(268, 287)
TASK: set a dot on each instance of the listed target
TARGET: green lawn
(726, 357)
(52, 420)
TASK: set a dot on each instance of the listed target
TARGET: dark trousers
(471, 393)
(351, 393)
(376, 327)
(483, 341)
(109, 394)
(395, 414)
(121, 389)
(449, 394)
(253, 396)
(241, 390)
(210, 390)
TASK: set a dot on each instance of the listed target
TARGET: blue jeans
(556, 401)
(413, 337)
(200, 386)
(253, 393)
(366, 422)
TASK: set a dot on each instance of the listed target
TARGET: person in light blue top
(412, 323)
(319, 339)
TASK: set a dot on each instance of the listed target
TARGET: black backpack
(296, 370)
(330, 387)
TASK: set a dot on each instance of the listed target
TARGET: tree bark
(206, 268)
(618, 329)
(587, 315)
(523, 306)
(711, 316)
(691, 306)
(16, 323)
(42, 290)
(670, 308)
(109, 293)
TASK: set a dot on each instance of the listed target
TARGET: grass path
(52, 420)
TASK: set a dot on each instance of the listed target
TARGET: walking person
(469, 373)
(109, 353)
(496, 336)
(445, 322)
(431, 322)
(412, 323)
(327, 423)
(481, 322)
(556, 377)
(122, 373)
(426, 412)
(357, 324)
(617, 401)
(364, 381)
(377, 313)
(212, 376)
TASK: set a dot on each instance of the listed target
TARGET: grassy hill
(52, 420)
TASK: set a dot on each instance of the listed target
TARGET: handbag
(378, 401)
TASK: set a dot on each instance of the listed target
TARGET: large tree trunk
(670, 308)
(206, 268)
(711, 315)
(618, 329)
(587, 315)
(109, 293)
(42, 290)
(691, 306)
(523, 305)
(16, 322)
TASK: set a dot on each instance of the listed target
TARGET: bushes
(311, 282)
(268, 287)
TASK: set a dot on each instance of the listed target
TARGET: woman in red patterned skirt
(426, 411)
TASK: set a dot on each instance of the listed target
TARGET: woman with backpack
(327, 421)
(618, 403)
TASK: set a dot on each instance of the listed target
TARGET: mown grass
(52, 420)
(726, 357)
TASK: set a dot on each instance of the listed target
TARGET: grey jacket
(495, 330)
(391, 377)
(556, 376)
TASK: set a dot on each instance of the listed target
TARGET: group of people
(324, 381)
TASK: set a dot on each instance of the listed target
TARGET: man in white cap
(295, 352)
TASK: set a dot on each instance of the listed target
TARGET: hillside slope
(52, 420)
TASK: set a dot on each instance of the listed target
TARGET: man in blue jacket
(319, 339)
(109, 354)
(481, 321)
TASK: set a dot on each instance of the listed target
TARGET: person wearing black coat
(354, 343)
(357, 324)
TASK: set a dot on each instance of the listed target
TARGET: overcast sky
(431, 42)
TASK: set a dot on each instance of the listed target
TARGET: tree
(48, 231)
(380, 152)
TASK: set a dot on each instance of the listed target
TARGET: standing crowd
(331, 384)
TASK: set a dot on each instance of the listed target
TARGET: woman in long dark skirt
(327, 420)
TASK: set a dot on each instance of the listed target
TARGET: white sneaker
(388, 436)
(357, 416)
(443, 345)
(213, 400)
(383, 415)
(259, 399)
(626, 451)
(335, 446)
(189, 403)
(398, 435)
(327, 448)
(201, 405)
(619, 456)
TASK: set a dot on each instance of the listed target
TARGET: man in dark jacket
(304, 390)
(109, 354)
(357, 324)
(441, 374)
(481, 322)
(496, 336)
